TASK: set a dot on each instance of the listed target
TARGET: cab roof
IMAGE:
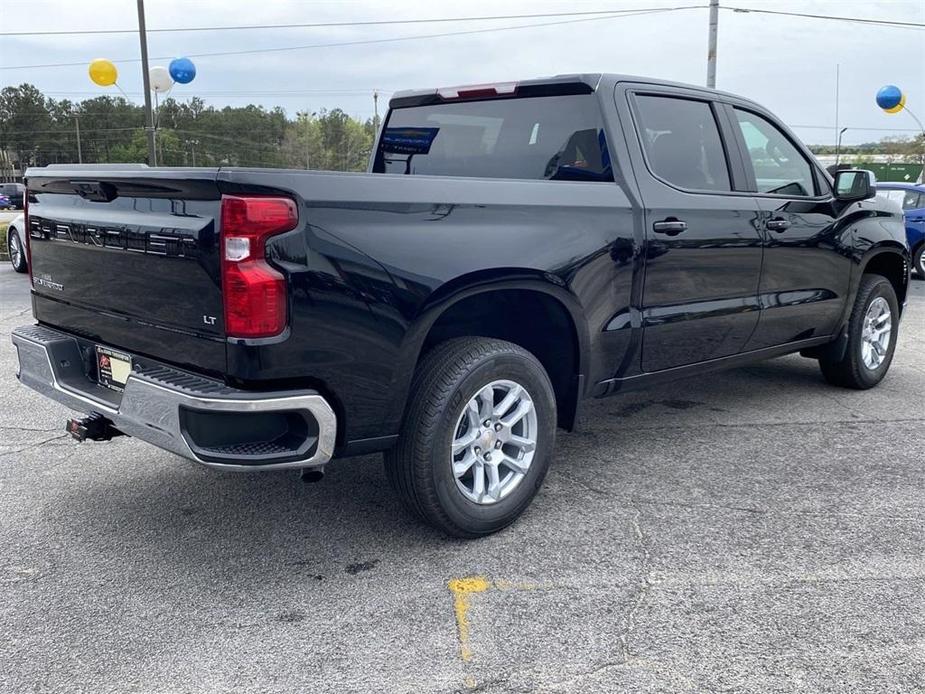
(577, 83)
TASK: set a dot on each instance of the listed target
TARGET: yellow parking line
(462, 589)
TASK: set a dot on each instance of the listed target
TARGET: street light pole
(149, 113)
(711, 47)
(80, 158)
(838, 147)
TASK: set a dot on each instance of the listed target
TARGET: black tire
(419, 466)
(919, 261)
(11, 239)
(851, 371)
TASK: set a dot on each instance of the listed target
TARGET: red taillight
(254, 292)
(27, 232)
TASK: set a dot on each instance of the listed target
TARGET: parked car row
(911, 198)
(16, 244)
(11, 196)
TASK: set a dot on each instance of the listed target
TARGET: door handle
(778, 224)
(670, 226)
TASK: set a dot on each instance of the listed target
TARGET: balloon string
(116, 85)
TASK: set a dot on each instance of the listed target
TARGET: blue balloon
(889, 97)
(182, 70)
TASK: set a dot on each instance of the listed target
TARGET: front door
(807, 256)
(703, 243)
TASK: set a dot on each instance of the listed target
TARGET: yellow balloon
(103, 72)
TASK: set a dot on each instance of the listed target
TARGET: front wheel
(872, 332)
(16, 250)
(919, 262)
(477, 436)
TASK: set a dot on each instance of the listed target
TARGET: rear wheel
(16, 251)
(477, 436)
(920, 261)
(872, 332)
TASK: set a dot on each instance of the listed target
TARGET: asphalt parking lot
(753, 531)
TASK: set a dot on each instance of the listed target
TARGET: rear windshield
(551, 137)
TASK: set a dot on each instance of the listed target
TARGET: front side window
(779, 167)
(682, 142)
(558, 138)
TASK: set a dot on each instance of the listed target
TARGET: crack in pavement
(761, 425)
(642, 589)
(41, 431)
(784, 512)
(37, 444)
(694, 505)
(17, 314)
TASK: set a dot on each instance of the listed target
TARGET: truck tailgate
(130, 257)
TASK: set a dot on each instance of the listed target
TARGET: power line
(853, 127)
(838, 18)
(318, 25)
(394, 39)
(39, 132)
(226, 92)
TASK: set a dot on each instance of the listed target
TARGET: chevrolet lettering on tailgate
(168, 242)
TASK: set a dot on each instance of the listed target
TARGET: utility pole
(149, 113)
(80, 158)
(837, 85)
(376, 113)
(711, 46)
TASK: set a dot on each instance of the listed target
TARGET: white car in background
(16, 244)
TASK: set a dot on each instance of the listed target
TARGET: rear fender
(464, 287)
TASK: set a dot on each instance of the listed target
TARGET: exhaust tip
(310, 475)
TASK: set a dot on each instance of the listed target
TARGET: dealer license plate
(112, 367)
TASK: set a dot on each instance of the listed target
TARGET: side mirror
(855, 184)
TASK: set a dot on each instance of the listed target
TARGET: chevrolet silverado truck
(513, 251)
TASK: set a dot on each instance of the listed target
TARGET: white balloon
(160, 78)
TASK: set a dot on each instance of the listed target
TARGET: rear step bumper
(195, 417)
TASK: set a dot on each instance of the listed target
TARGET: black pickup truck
(514, 250)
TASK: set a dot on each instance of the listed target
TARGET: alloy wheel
(876, 332)
(494, 442)
(15, 249)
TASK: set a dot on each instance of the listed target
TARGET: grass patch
(3, 246)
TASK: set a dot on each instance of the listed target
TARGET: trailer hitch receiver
(94, 427)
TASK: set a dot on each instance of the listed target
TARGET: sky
(788, 64)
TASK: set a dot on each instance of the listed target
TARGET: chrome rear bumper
(158, 400)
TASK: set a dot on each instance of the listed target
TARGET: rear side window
(682, 142)
(913, 200)
(895, 196)
(906, 199)
(559, 138)
(779, 166)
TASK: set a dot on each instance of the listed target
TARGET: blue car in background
(911, 198)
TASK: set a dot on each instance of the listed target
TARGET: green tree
(35, 131)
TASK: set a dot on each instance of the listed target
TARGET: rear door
(703, 246)
(129, 257)
(807, 259)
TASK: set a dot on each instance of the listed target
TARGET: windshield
(550, 137)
